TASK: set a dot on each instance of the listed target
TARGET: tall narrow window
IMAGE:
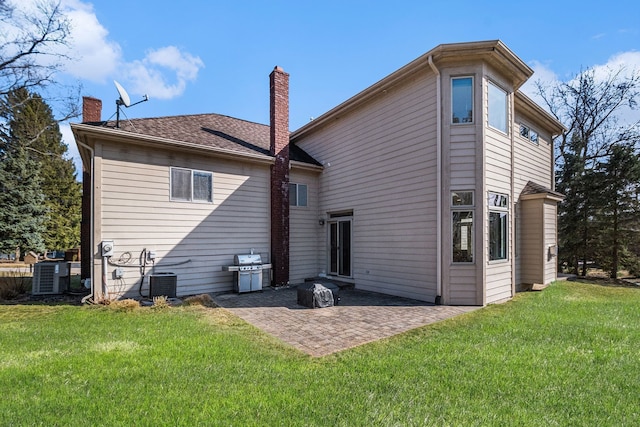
(462, 226)
(191, 185)
(202, 190)
(462, 100)
(180, 184)
(497, 108)
(498, 223)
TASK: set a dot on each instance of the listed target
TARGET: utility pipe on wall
(438, 181)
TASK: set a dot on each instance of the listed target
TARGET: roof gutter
(438, 182)
(294, 164)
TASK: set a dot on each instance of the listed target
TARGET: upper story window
(462, 100)
(188, 185)
(297, 194)
(527, 133)
(497, 108)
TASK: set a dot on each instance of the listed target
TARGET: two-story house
(435, 183)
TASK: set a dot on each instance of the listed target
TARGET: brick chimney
(279, 137)
(91, 109)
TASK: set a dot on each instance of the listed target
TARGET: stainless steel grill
(247, 270)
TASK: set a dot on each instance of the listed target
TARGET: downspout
(92, 282)
(438, 182)
(512, 201)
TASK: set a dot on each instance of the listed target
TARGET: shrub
(204, 300)
(123, 305)
(13, 284)
(160, 302)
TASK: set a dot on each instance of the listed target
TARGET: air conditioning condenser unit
(50, 278)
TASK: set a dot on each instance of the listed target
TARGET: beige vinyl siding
(380, 163)
(304, 231)
(136, 213)
(463, 288)
(532, 241)
(532, 162)
(462, 157)
(550, 236)
(498, 280)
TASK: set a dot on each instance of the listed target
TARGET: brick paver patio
(361, 317)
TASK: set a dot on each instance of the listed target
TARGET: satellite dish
(124, 100)
(124, 96)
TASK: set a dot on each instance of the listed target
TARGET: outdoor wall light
(321, 221)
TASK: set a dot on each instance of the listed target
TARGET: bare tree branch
(30, 45)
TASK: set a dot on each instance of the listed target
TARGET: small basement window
(188, 185)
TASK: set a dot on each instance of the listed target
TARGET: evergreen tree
(589, 106)
(22, 211)
(619, 180)
(34, 129)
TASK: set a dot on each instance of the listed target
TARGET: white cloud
(67, 138)
(95, 57)
(626, 63)
(541, 74)
(147, 75)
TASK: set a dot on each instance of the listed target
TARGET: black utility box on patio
(316, 295)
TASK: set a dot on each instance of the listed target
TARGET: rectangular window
(462, 236)
(497, 236)
(497, 200)
(462, 198)
(462, 100)
(527, 133)
(297, 195)
(497, 108)
(462, 226)
(189, 185)
(498, 223)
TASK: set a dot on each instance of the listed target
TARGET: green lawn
(569, 355)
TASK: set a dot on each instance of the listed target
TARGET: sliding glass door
(340, 247)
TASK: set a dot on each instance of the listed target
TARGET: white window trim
(171, 168)
(473, 101)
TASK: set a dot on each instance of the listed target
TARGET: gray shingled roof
(209, 130)
(534, 188)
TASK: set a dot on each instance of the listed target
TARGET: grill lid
(247, 259)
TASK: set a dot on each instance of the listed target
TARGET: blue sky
(215, 56)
